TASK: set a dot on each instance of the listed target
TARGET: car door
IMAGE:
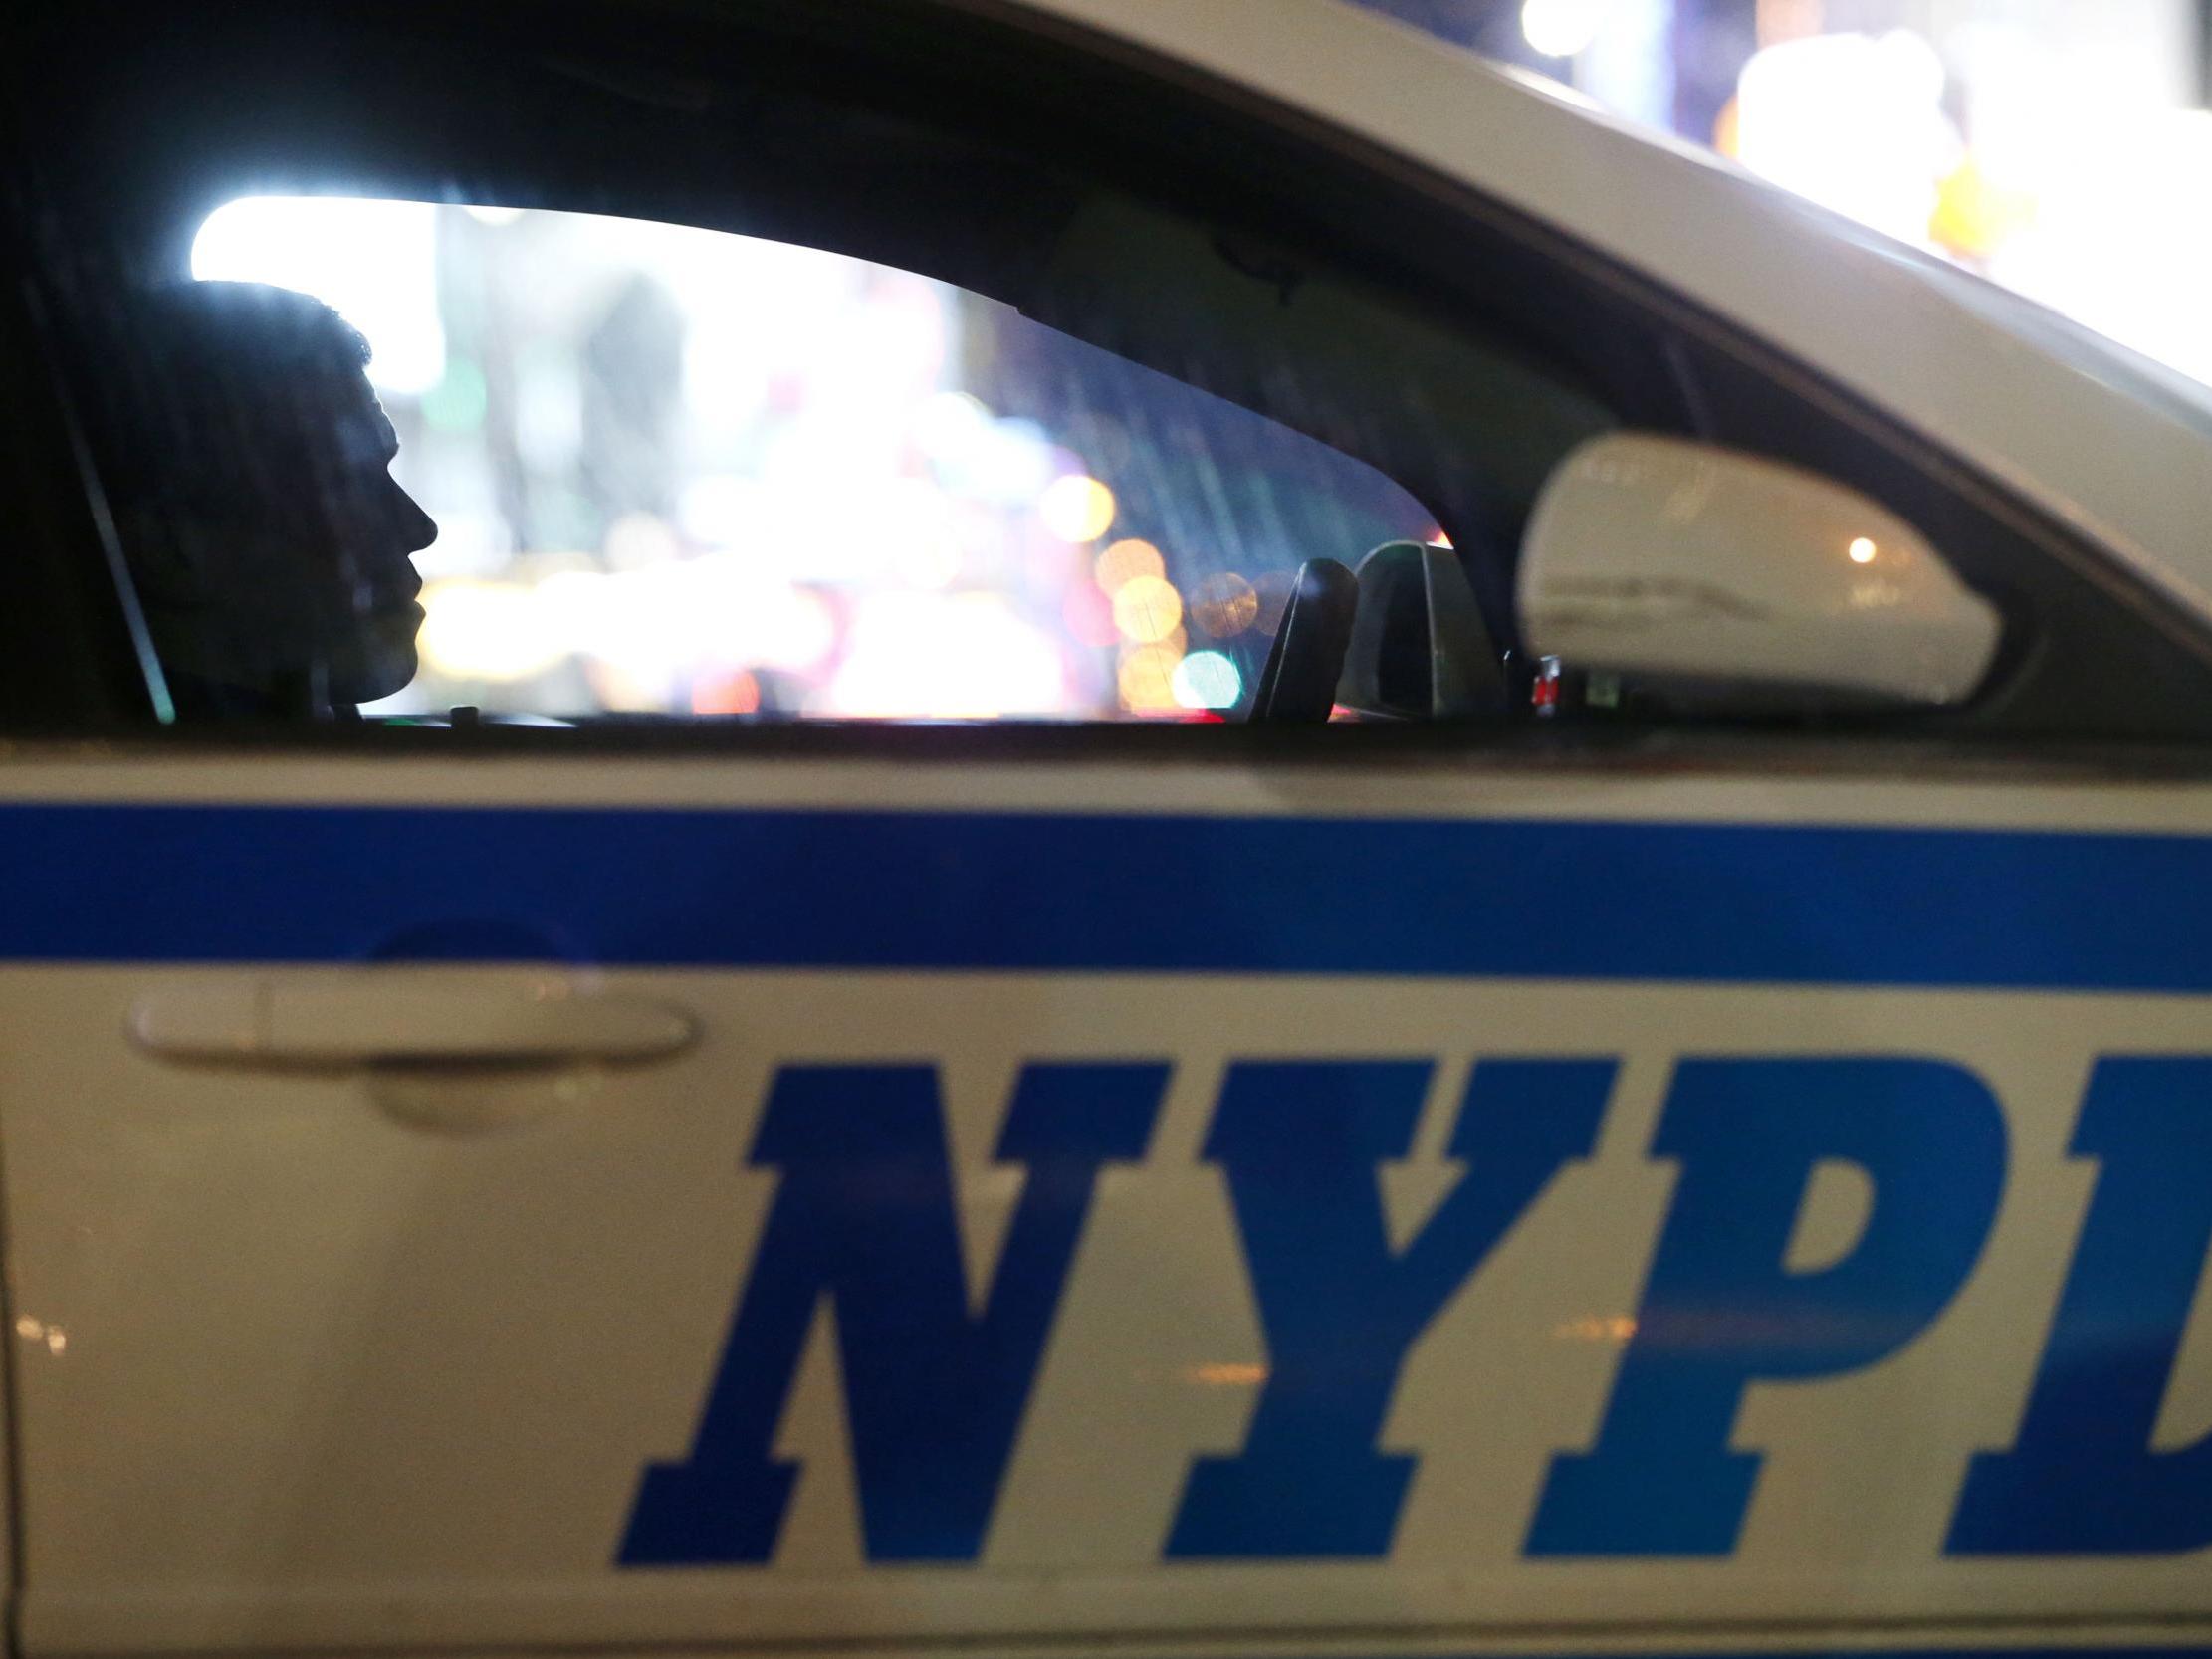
(612, 1149)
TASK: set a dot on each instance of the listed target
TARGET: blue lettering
(864, 1217)
(1721, 1310)
(1298, 1143)
(2081, 1479)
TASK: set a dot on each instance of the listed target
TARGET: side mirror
(1665, 559)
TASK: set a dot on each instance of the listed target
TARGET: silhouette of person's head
(246, 462)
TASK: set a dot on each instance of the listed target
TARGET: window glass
(680, 472)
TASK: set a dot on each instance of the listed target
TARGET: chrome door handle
(359, 1016)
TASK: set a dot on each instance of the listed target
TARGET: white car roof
(2101, 440)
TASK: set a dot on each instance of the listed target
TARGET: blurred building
(2060, 146)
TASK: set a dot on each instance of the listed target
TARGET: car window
(675, 471)
(754, 439)
(760, 372)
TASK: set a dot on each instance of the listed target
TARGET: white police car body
(888, 1192)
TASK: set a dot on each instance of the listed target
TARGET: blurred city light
(2062, 149)
(487, 631)
(925, 656)
(1125, 562)
(374, 263)
(687, 473)
(1147, 681)
(1147, 609)
(730, 691)
(1562, 28)
(1077, 509)
(2138, 183)
(1854, 121)
(1225, 605)
(1207, 680)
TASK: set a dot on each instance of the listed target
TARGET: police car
(1691, 1134)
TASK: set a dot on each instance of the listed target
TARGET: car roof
(2105, 442)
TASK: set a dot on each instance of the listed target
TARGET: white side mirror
(1660, 556)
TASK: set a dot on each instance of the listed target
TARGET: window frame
(83, 652)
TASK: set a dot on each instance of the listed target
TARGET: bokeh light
(1562, 28)
(493, 631)
(1147, 609)
(1225, 605)
(373, 262)
(1077, 508)
(729, 692)
(1088, 616)
(1125, 562)
(1207, 680)
(928, 656)
(1147, 681)
(1271, 597)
